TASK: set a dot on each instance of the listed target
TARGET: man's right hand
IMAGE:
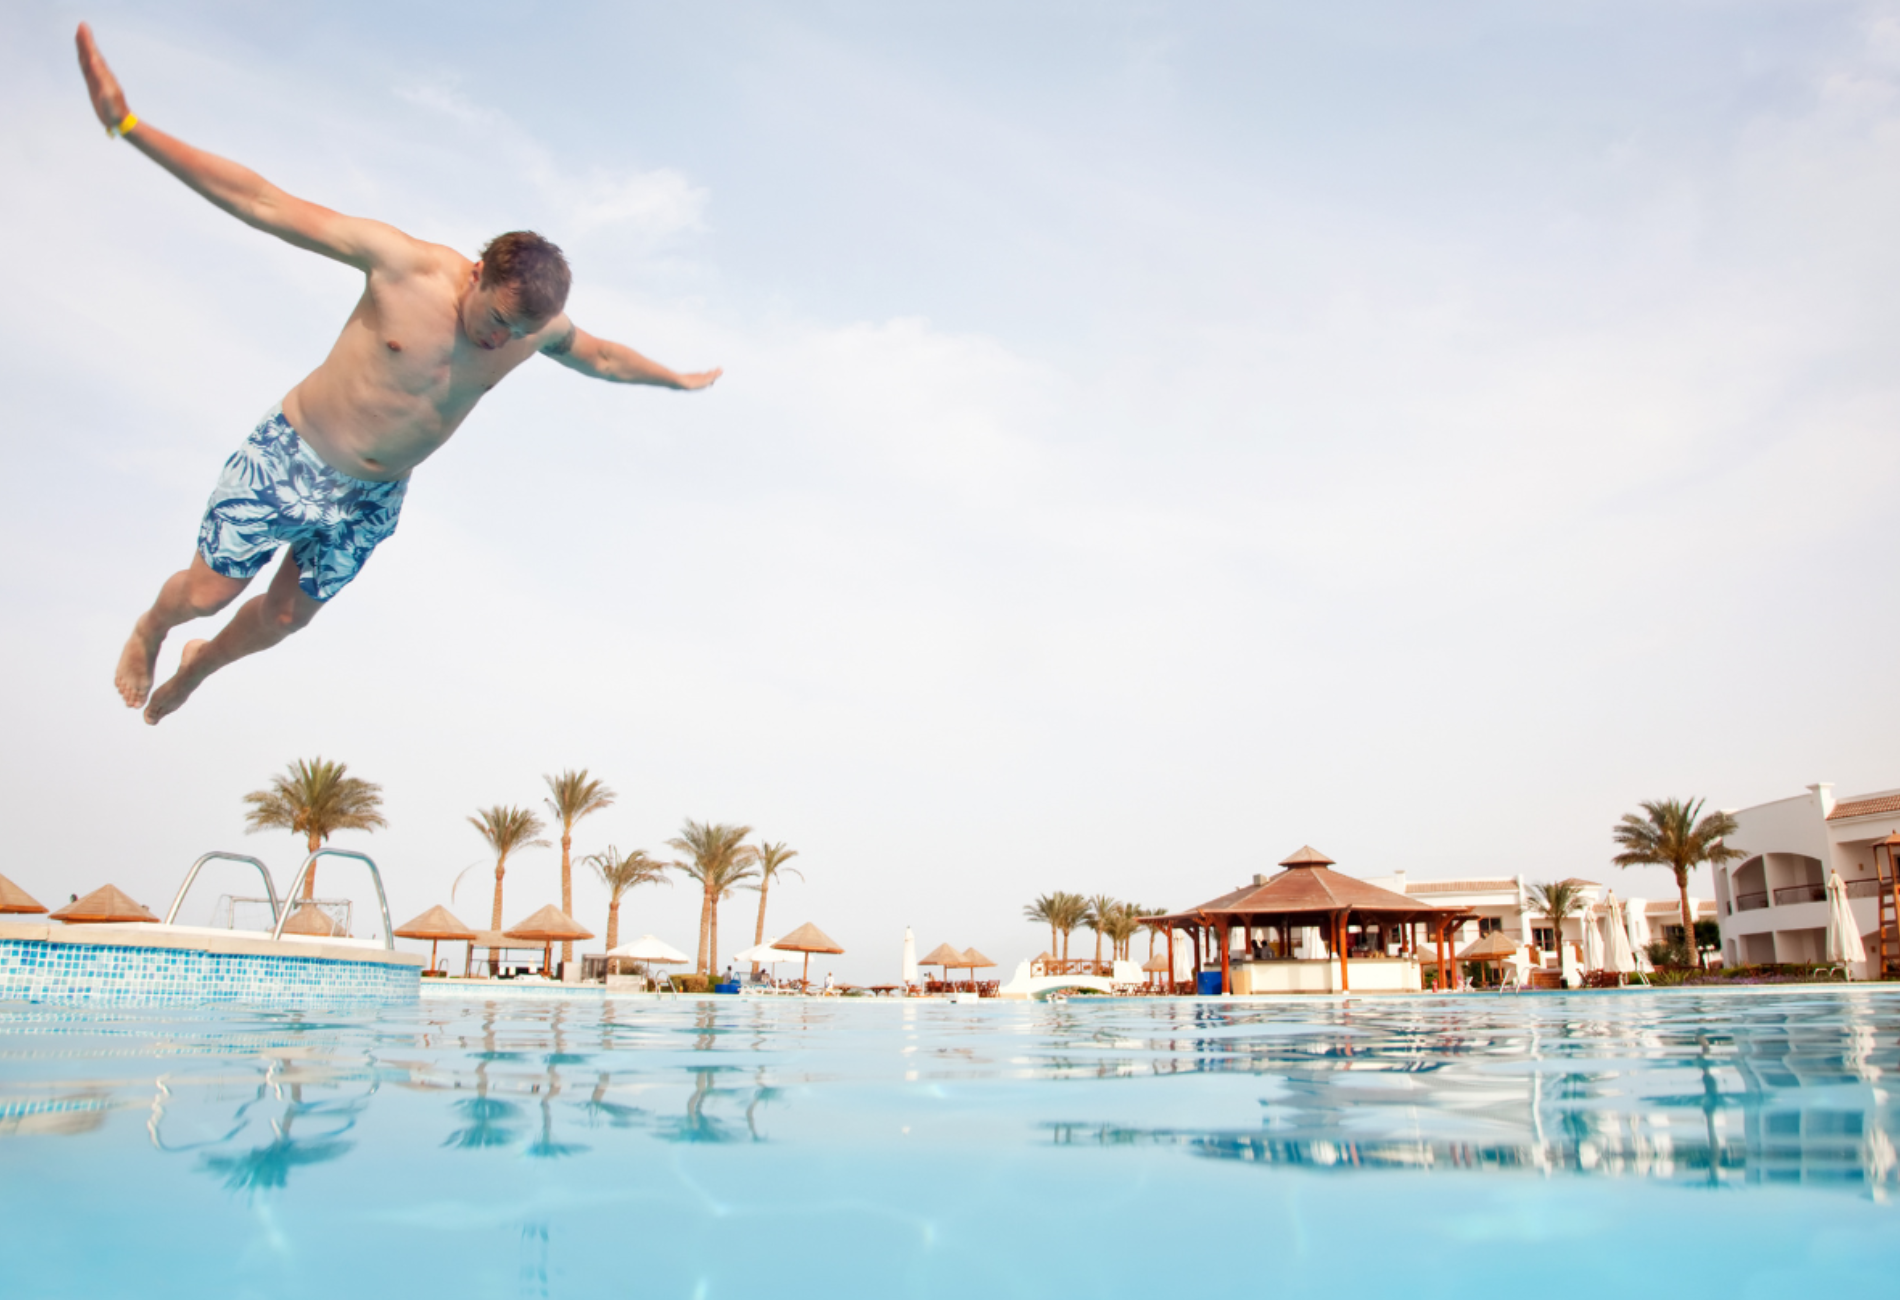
(108, 101)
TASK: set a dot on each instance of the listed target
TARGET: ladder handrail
(309, 864)
(276, 911)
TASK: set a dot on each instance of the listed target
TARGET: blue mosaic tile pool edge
(36, 970)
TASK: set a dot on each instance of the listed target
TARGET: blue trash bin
(1207, 983)
(726, 988)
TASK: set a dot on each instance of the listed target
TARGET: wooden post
(1226, 961)
(1442, 986)
(1170, 959)
(1345, 941)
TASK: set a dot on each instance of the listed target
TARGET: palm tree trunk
(758, 931)
(501, 869)
(705, 920)
(1098, 952)
(1688, 919)
(713, 970)
(613, 923)
(567, 887)
(1052, 938)
(310, 881)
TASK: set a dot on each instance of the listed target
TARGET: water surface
(729, 1147)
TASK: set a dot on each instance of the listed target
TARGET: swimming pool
(1725, 1143)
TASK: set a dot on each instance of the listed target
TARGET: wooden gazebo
(1310, 895)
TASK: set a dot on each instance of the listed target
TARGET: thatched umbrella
(807, 939)
(312, 920)
(15, 899)
(435, 925)
(942, 955)
(549, 926)
(1490, 948)
(974, 959)
(1158, 965)
(105, 905)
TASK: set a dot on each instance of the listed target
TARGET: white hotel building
(1772, 904)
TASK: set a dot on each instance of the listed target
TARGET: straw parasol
(15, 899)
(435, 925)
(942, 955)
(494, 941)
(549, 926)
(974, 959)
(106, 905)
(310, 919)
(1157, 965)
(1493, 947)
(809, 939)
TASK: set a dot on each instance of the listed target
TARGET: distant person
(325, 472)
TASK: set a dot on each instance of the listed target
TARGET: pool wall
(140, 964)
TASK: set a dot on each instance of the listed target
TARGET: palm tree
(1071, 910)
(506, 829)
(315, 799)
(575, 795)
(1672, 836)
(1101, 913)
(1043, 911)
(621, 874)
(1147, 914)
(1122, 925)
(720, 860)
(770, 860)
(1557, 901)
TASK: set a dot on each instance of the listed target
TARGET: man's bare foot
(136, 662)
(167, 698)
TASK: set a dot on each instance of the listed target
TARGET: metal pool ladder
(276, 910)
(303, 872)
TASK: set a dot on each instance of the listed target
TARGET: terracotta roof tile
(1886, 803)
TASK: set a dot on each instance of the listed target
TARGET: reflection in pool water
(838, 1148)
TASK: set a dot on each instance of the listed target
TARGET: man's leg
(259, 624)
(192, 592)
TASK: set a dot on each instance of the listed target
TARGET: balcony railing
(1800, 894)
(1863, 889)
(1751, 902)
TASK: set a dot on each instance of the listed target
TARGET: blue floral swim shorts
(275, 491)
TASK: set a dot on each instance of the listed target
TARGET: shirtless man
(325, 472)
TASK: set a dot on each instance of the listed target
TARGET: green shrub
(690, 983)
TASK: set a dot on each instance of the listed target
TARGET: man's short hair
(532, 267)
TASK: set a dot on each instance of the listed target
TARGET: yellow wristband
(124, 127)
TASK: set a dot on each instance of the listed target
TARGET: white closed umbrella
(1592, 944)
(910, 957)
(1636, 921)
(1622, 959)
(1843, 935)
(650, 948)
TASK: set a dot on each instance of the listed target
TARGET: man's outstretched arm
(239, 190)
(600, 358)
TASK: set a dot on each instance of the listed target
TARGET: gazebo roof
(973, 959)
(436, 923)
(549, 925)
(15, 899)
(103, 906)
(942, 955)
(1309, 885)
(807, 938)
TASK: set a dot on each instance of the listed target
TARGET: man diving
(325, 472)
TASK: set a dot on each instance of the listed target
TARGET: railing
(1076, 966)
(309, 865)
(276, 909)
(1863, 889)
(1751, 902)
(1800, 894)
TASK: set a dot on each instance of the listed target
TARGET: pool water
(1726, 1143)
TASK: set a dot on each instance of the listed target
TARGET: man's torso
(403, 375)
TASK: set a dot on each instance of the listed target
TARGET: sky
(1153, 438)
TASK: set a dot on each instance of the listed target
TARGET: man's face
(490, 318)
